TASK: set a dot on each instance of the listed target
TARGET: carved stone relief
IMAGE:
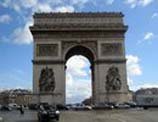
(111, 49)
(47, 80)
(90, 44)
(80, 34)
(47, 50)
(67, 44)
(113, 81)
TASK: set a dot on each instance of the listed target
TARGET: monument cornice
(78, 14)
(58, 28)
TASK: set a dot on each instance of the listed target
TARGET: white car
(13, 105)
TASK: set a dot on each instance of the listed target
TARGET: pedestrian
(21, 109)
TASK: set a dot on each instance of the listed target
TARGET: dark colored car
(33, 106)
(61, 107)
(5, 108)
(47, 113)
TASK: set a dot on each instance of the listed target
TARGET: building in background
(18, 96)
(147, 97)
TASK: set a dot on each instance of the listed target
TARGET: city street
(131, 115)
(15, 116)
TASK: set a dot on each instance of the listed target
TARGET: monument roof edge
(78, 14)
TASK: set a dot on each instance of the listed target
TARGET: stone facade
(98, 36)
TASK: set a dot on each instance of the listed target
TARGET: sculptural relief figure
(47, 80)
(113, 81)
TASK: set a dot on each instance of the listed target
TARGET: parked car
(69, 106)
(102, 106)
(79, 106)
(33, 106)
(122, 106)
(88, 107)
(131, 104)
(61, 107)
(13, 106)
(47, 113)
(5, 108)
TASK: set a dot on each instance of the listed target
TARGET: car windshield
(49, 107)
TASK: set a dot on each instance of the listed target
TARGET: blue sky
(16, 41)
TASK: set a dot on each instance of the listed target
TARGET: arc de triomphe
(97, 36)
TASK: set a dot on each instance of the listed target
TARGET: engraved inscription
(47, 50)
(111, 49)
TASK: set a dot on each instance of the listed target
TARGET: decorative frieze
(80, 34)
(111, 49)
(76, 18)
(90, 44)
(47, 50)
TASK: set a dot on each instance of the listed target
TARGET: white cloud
(134, 3)
(78, 83)
(39, 6)
(133, 69)
(18, 5)
(28, 3)
(64, 9)
(145, 2)
(130, 81)
(104, 2)
(149, 85)
(79, 3)
(148, 36)
(13, 4)
(133, 66)
(43, 7)
(154, 15)
(5, 18)
(22, 35)
(77, 90)
(109, 2)
(5, 3)
(76, 64)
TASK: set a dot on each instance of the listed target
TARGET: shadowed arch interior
(80, 50)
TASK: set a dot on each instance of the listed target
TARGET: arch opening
(79, 74)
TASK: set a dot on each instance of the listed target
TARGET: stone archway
(98, 36)
(84, 51)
